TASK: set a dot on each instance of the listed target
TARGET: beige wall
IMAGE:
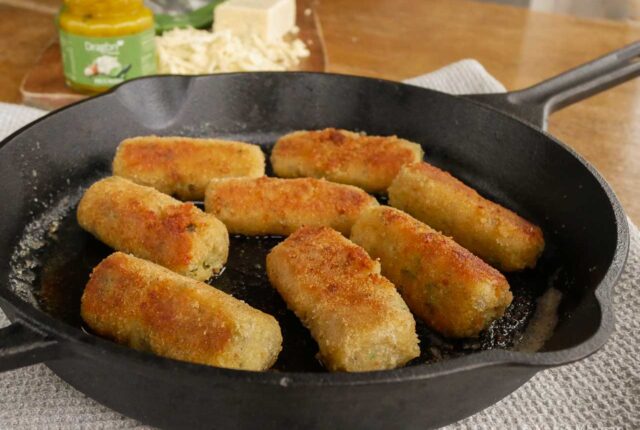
(611, 9)
(614, 9)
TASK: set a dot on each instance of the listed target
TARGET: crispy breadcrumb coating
(280, 206)
(151, 225)
(183, 166)
(448, 287)
(492, 232)
(368, 162)
(150, 308)
(356, 315)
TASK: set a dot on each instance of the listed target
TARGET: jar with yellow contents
(105, 42)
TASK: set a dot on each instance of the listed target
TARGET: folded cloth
(462, 77)
(600, 391)
(12, 117)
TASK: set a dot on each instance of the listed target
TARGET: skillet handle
(536, 103)
(22, 345)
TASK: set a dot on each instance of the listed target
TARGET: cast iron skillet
(45, 258)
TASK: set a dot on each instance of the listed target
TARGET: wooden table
(397, 39)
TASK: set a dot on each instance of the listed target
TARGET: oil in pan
(55, 257)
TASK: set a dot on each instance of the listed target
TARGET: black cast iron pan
(45, 258)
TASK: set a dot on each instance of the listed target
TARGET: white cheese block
(269, 19)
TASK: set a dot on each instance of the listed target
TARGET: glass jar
(105, 42)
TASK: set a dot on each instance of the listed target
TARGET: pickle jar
(105, 42)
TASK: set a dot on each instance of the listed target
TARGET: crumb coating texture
(448, 287)
(149, 308)
(494, 233)
(356, 316)
(368, 162)
(280, 206)
(149, 224)
(183, 166)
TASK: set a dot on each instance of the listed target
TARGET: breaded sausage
(151, 225)
(183, 166)
(368, 162)
(492, 232)
(149, 308)
(452, 290)
(356, 315)
(279, 206)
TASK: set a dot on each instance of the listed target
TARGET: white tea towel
(600, 391)
(462, 77)
(12, 117)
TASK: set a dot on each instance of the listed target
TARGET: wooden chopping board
(43, 86)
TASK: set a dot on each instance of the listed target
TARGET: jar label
(106, 61)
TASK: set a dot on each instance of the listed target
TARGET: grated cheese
(189, 51)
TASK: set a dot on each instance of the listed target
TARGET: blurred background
(610, 9)
(520, 42)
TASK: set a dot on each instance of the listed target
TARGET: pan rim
(77, 343)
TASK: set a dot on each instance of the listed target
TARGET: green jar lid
(182, 13)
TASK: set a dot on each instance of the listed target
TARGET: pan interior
(62, 267)
(504, 160)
